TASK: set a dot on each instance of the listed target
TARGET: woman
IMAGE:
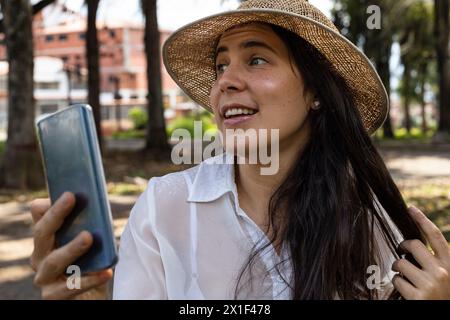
(326, 224)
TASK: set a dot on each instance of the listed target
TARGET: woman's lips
(238, 119)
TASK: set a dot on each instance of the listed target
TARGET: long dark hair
(330, 194)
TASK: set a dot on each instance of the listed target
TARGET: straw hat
(188, 53)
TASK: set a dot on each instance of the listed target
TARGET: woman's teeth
(238, 111)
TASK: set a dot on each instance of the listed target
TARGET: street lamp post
(69, 83)
(117, 100)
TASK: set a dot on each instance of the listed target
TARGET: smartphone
(72, 162)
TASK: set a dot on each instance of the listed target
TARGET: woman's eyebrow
(247, 44)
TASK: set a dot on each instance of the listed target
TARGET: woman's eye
(220, 68)
(257, 61)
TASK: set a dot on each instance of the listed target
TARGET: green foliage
(415, 134)
(188, 123)
(139, 118)
(181, 123)
(129, 134)
(406, 22)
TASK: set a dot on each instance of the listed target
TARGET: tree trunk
(383, 67)
(156, 139)
(92, 57)
(423, 77)
(406, 97)
(21, 167)
(382, 55)
(442, 36)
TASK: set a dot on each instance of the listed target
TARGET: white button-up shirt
(187, 238)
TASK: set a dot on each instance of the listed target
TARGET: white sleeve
(139, 273)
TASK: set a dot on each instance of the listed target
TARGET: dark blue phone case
(72, 162)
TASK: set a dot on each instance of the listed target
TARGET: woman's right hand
(51, 263)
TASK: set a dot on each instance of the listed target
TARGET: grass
(125, 189)
(434, 201)
(415, 135)
(114, 188)
(129, 134)
(7, 195)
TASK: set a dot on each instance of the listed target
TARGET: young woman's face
(258, 86)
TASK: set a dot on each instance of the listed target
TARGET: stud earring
(316, 105)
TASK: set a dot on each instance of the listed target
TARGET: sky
(172, 14)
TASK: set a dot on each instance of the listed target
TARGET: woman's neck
(255, 190)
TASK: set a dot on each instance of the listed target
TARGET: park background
(54, 53)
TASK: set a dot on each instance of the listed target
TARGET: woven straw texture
(188, 53)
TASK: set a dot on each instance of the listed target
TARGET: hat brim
(188, 55)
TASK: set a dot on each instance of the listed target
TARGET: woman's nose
(231, 79)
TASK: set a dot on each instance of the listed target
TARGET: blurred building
(61, 69)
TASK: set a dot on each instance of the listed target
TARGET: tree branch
(36, 8)
(41, 5)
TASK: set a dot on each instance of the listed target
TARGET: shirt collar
(214, 178)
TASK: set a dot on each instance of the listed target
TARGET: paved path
(407, 167)
(415, 167)
(16, 245)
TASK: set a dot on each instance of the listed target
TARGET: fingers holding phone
(47, 220)
(77, 229)
(51, 264)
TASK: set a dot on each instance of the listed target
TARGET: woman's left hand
(432, 281)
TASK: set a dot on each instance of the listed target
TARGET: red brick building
(122, 62)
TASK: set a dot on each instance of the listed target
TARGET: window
(62, 37)
(47, 85)
(49, 38)
(82, 36)
(166, 100)
(112, 33)
(105, 114)
(79, 82)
